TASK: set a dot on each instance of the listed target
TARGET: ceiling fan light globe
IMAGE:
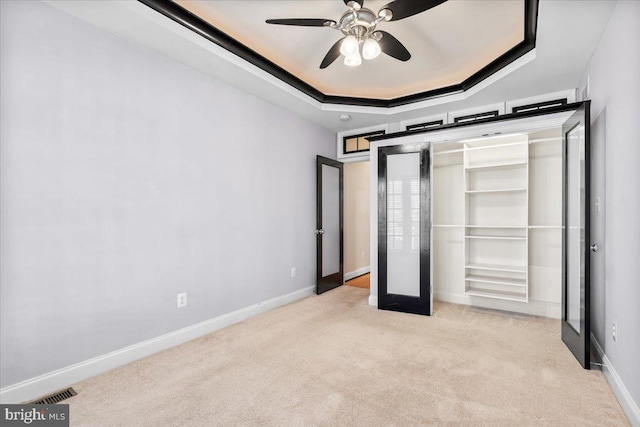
(370, 49)
(349, 46)
(353, 60)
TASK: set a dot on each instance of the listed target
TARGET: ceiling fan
(358, 24)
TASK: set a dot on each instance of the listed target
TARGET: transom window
(540, 105)
(420, 126)
(474, 117)
(359, 143)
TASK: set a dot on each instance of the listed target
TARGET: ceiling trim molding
(430, 102)
(201, 27)
(500, 118)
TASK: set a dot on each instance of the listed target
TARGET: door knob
(321, 231)
(594, 248)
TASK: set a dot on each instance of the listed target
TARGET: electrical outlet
(362, 255)
(614, 332)
(293, 272)
(182, 300)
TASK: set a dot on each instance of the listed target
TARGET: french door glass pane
(330, 220)
(575, 224)
(403, 224)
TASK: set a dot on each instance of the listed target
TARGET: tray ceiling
(453, 46)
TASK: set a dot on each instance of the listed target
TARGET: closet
(497, 206)
(509, 206)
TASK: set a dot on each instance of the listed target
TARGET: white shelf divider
(510, 296)
(521, 283)
(497, 267)
(500, 165)
(498, 190)
(496, 238)
(496, 226)
(496, 276)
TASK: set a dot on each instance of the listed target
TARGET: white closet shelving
(448, 227)
(495, 217)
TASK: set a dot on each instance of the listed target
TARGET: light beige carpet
(334, 360)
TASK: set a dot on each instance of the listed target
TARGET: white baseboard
(355, 273)
(629, 406)
(533, 307)
(373, 300)
(52, 381)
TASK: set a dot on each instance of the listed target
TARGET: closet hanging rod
(527, 132)
(459, 150)
(488, 147)
(538, 140)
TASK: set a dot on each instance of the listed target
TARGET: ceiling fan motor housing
(358, 23)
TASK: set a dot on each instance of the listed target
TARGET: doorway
(342, 224)
(357, 264)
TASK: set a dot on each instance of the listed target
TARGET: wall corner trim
(373, 300)
(629, 406)
(49, 382)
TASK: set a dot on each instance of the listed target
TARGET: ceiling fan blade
(350, 3)
(401, 9)
(303, 22)
(392, 47)
(332, 55)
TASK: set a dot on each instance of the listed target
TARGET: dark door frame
(578, 343)
(324, 284)
(404, 303)
(580, 106)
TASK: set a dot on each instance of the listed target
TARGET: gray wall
(614, 76)
(127, 178)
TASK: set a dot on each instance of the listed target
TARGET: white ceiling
(568, 32)
(448, 43)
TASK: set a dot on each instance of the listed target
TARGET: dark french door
(576, 327)
(404, 229)
(329, 224)
(404, 239)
